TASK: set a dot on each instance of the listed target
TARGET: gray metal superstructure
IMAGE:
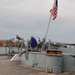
(55, 63)
(68, 59)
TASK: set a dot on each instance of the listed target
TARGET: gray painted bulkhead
(35, 59)
(54, 63)
(40, 60)
(68, 63)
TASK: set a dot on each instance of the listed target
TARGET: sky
(30, 18)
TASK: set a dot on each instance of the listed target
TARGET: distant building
(3, 43)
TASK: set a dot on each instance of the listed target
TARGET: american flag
(54, 9)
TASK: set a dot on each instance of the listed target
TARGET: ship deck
(8, 67)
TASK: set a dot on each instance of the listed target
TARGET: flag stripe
(54, 9)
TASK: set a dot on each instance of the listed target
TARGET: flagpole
(50, 19)
(48, 26)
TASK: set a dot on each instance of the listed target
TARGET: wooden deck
(14, 68)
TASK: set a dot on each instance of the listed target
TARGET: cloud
(30, 17)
